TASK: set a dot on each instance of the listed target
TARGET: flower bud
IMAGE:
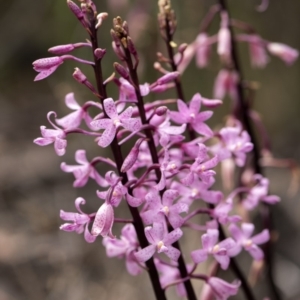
(121, 70)
(102, 16)
(211, 103)
(99, 53)
(286, 53)
(118, 50)
(160, 111)
(76, 11)
(61, 49)
(167, 78)
(224, 39)
(203, 50)
(131, 46)
(132, 156)
(104, 221)
(79, 76)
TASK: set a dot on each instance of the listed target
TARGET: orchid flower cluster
(167, 177)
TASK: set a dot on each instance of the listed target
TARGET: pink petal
(236, 232)
(203, 116)
(180, 207)
(202, 128)
(103, 221)
(173, 236)
(247, 229)
(182, 108)
(71, 120)
(101, 124)
(51, 133)
(87, 235)
(128, 232)
(174, 130)
(149, 216)
(155, 233)
(71, 102)
(172, 253)
(175, 220)
(45, 73)
(110, 108)
(145, 254)
(43, 141)
(132, 266)
(133, 201)
(177, 117)
(222, 289)
(107, 136)
(60, 146)
(255, 252)
(144, 89)
(126, 114)
(133, 124)
(195, 104)
(223, 260)
(188, 180)
(169, 196)
(271, 199)
(199, 256)
(210, 238)
(261, 238)
(80, 157)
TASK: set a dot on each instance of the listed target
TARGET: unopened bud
(131, 46)
(132, 156)
(61, 49)
(76, 11)
(160, 111)
(286, 53)
(168, 78)
(161, 88)
(121, 70)
(125, 27)
(211, 103)
(118, 50)
(79, 76)
(99, 53)
(115, 37)
(101, 17)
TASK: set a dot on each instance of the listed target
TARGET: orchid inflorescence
(167, 176)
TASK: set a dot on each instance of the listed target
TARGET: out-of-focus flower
(244, 240)
(226, 83)
(221, 289)
(221, 251)
(124, 248)
(285, 52)
(259, 193)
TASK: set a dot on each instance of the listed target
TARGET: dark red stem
(137, 221)
(244, 114)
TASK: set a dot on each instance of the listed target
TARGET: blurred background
(37, 261)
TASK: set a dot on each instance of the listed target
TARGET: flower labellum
(104, 221)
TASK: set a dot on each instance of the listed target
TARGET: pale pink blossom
(285, 52)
